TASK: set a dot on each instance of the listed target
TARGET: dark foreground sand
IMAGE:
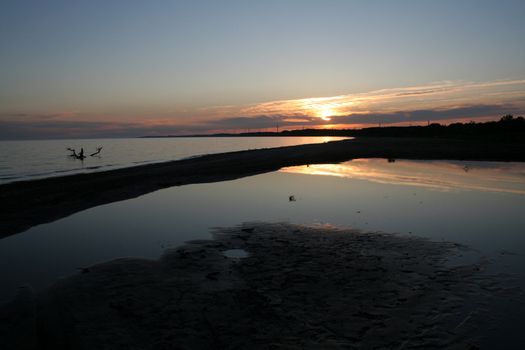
(300, 288)
(29, 203)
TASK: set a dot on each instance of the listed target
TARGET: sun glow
(325, 113)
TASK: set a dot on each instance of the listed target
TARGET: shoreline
(299, 287)
(34, 202)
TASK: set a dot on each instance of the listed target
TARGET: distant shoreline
(508, 127)
(34, 202)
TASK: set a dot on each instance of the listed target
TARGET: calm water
(477, 203)
(43, 158)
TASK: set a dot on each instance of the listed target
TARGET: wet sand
(29, 203)
(299, 288)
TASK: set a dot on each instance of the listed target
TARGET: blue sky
(188, 64)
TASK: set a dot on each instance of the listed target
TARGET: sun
(326, 113)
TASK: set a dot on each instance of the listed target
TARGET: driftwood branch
(97, 152)
(80, 155)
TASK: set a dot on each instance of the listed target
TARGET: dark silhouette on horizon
(507, 128)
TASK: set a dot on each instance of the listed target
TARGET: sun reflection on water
(436, 175)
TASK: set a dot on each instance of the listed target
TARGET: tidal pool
(480, 204)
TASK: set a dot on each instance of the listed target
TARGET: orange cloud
(446, 94)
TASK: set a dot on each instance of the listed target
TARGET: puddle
(236, 253)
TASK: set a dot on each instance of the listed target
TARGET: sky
(127, 68)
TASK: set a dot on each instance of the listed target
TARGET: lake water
(481, 204)
(21, 160)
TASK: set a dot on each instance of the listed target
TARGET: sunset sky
(129, 68)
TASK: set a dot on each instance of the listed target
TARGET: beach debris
(391, 160)
(97, 152)
(292, 198)
(248, 230)
(76, 155)
(80, 155)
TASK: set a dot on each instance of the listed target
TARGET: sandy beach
(299, 287)
(29, 203)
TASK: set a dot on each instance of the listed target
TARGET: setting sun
(326, 113)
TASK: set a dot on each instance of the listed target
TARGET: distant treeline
(507, 128)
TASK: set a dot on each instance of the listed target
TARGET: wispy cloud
(446, 94)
